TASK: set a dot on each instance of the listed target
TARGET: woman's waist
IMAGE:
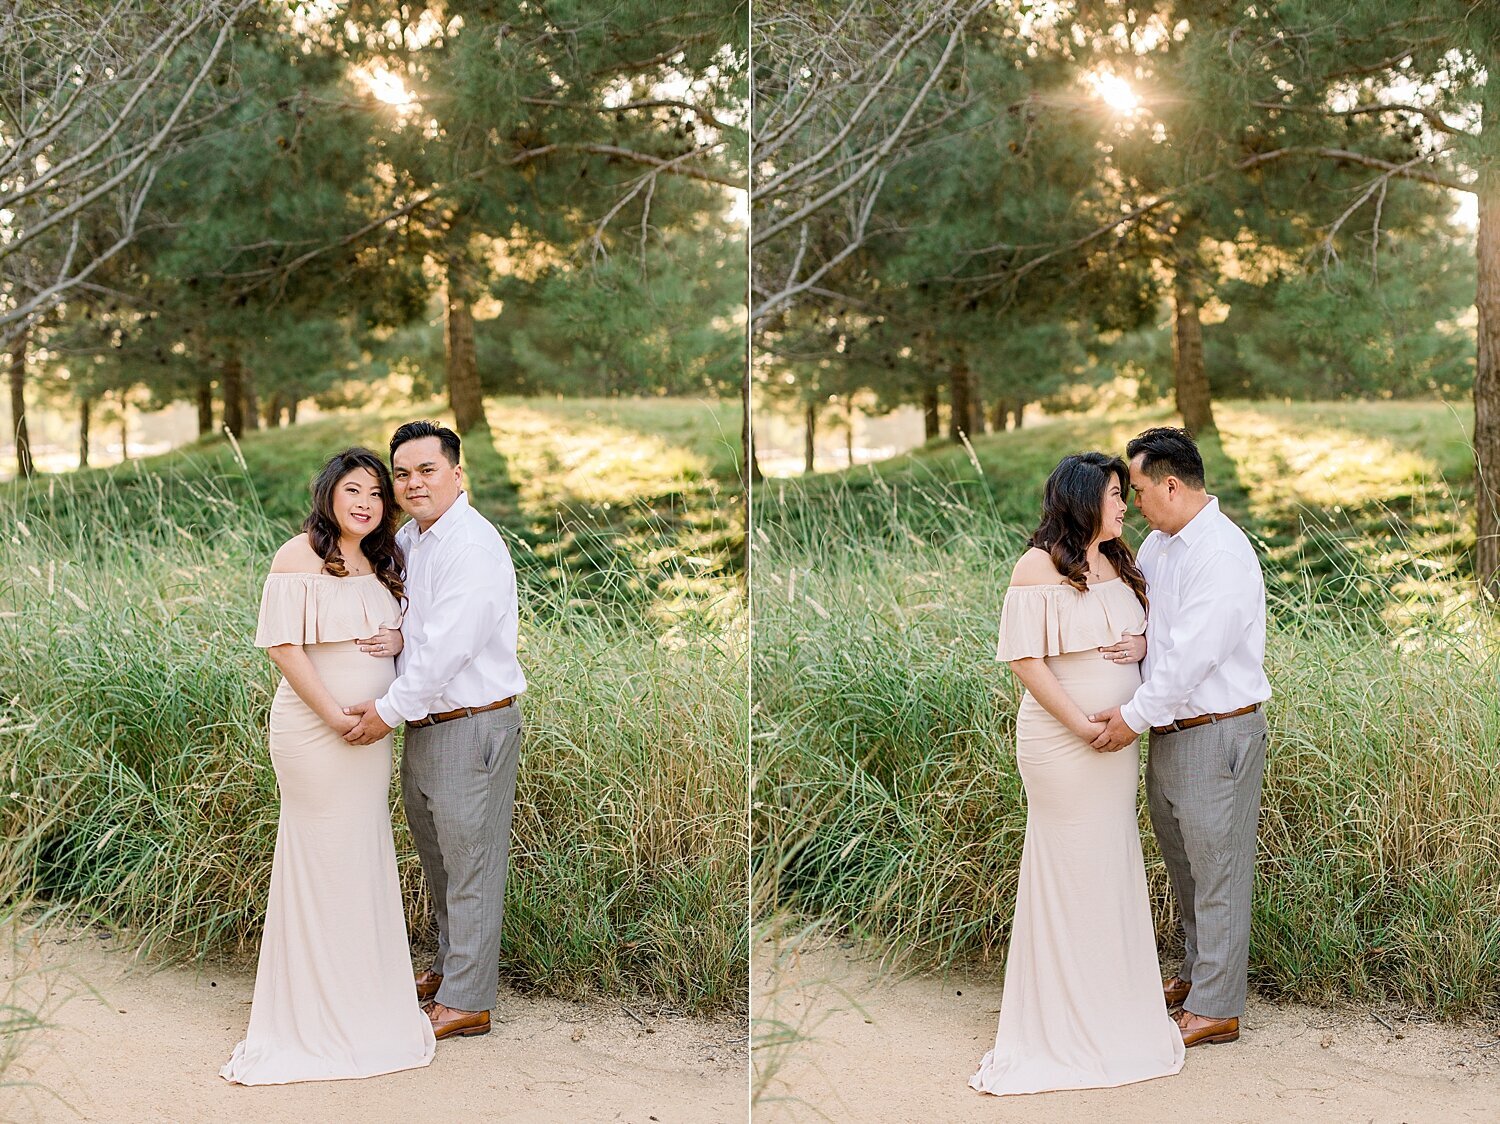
(1089, 676)
(344, 669)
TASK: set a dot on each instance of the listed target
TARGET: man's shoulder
(1231, 538)
(477, 528)
(1227, 550)
(475, 533)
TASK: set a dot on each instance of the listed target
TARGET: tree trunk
(932, 425)
(977, 418)
(1487, 389)
(463, 364)
(810, 436)
(273, 412)
(124, 428)
(750, 472)
(849, 430)
(291, 409)
(1018, 412)
(231, 386)
(252, 400)
(1000, 415)
(1191, 377)
(24, 464)
(960, 421)
(85, 416)
(205, 406)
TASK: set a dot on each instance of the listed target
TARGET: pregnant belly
(350, 676)
(1091, 681)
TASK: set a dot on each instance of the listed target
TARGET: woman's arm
(1037, 678)
(300, 673)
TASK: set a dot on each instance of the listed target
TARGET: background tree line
(250, 204)
(982, 207)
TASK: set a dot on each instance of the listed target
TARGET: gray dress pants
(1203, 786)
(458, 783)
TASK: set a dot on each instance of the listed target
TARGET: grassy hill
(1365, 502)
(632, 498)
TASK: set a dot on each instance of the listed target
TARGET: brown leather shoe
(1175, 991)
(1215, 1030)
(428, 983)
(448, 1022)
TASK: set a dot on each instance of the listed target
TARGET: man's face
(426, 484)
(1153, 499)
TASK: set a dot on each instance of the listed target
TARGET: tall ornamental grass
(135, 782)
(887, 800)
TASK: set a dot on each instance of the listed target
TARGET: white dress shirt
(459, 631)
(1206, 632)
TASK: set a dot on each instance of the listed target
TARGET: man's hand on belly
(371, 727)
(1116, 735)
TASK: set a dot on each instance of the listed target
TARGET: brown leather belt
(461, 712)
(1204, 719)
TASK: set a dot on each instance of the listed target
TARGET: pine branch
(1431, 116)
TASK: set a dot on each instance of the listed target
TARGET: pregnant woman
(1082, 1006)
(333, 990)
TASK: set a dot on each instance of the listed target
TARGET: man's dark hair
(416, 430)
(1168, 452)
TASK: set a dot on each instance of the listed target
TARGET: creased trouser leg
(465, 774)
(1204, 789)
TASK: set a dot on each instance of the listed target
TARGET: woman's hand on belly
(385, 644)
(1087, 730)
(1130, 648)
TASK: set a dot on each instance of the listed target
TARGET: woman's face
(357, 505)
(1112, 513)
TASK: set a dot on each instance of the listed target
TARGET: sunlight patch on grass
(588, 461)
(1287, 462)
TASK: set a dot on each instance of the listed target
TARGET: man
(1202, 695)
(457, 689)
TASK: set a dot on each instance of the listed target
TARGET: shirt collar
(1198, 525)
(446, 522)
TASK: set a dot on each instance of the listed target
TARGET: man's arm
(475, 589)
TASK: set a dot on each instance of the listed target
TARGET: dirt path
(151, 1047)
(883, 1048)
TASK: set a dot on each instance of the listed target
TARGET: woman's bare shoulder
(1035, 568)
(297, 556)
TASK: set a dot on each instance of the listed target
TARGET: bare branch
(855, 93)
(91, 138)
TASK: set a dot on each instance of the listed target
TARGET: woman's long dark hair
(1072, 510)
(379, 545)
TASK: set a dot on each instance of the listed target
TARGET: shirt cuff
(387, 712)
(1132, 718)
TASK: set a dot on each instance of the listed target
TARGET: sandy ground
(148, 1046)
(878, 1047)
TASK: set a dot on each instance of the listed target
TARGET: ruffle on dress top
(1052, 620)
(323, 609)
